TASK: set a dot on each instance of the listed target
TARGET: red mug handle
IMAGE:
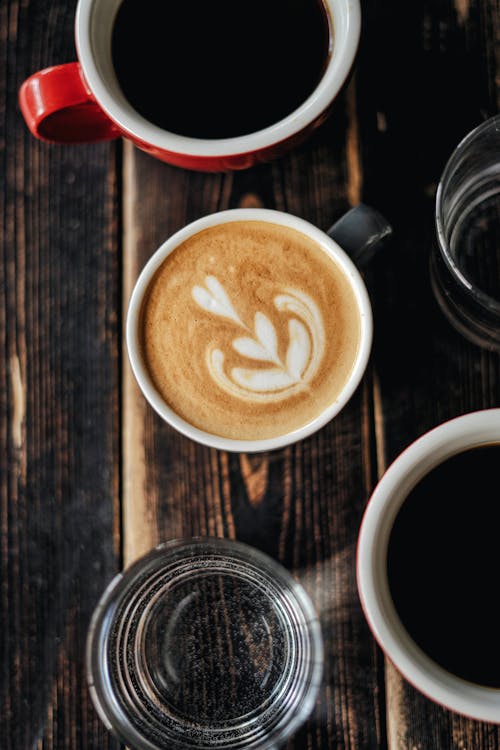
(59, 107)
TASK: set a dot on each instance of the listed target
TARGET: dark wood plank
(302, 504)
(426, 76)
(59, 447)
(386, 142)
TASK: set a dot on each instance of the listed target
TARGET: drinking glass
(204, 643)
(465, 265)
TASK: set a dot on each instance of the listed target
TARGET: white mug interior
(452, 437)
(93, 29)
(134, 319)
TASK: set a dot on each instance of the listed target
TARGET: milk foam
(306, 344)
(249, 329)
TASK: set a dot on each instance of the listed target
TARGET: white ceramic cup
(457, 435)
(330, 247)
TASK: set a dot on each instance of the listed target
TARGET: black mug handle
(361, 232)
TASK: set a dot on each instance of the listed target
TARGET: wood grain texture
(408, 128)
(59, 448)
(301, 504)
(426, 73)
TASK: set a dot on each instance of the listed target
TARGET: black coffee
(444, 565)
(219, 68)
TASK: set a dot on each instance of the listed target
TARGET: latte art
(303, 356)
(249, 330)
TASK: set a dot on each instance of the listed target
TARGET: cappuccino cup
(249, 329)
(427, 564)
(170, 77)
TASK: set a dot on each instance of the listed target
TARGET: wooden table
(90, 476)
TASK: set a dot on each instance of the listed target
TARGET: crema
(249, 330)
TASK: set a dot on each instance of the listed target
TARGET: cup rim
(346, 16)
(447, 439)
(481, 297)
(234, 215)
(177, 551)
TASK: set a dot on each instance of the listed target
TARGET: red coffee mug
(82, 102)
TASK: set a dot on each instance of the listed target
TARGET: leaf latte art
(303, 355)
(249, 330)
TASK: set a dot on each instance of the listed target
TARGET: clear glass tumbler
(204, 643)
(465, 265)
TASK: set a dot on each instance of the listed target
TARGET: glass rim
(104, 696)
(480, 297)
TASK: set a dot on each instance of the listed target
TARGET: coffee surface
(249, 330)
(443, 563)
(219, 69)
